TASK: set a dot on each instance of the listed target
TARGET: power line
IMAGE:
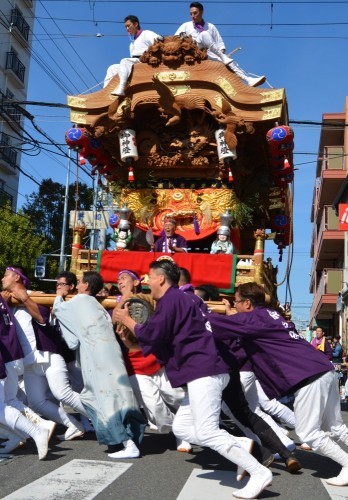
(172, 23)
(71, 46)
(243, 2)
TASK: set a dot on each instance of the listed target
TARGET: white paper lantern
(128, 144)
(223, 149)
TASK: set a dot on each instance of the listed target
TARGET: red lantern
(77, 138)
(92, 149)
(280, 140)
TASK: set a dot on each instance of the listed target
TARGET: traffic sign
(90, 219)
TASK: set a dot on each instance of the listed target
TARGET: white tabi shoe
(256, 81)
(341, 479)
(183, 446)
(50, 426)
(130, 451)
(71, 433)
(41, 441)
(256, 484)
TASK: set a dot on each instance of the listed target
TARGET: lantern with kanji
(128, 150)
(224, 152)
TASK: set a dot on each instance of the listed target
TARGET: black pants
(233, 396)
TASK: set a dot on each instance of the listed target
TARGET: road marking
(336, 492)
(210, 485)
(222, 483)
(76, 479)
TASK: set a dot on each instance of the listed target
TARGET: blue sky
(301, 46)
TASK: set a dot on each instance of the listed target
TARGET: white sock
(130, 451)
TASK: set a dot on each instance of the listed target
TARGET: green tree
(46, 208)
(18, 243)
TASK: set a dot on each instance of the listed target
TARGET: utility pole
(65, 216)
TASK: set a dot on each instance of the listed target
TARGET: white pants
(249, 386)
(205, 41)
(40, 378)
(158, 398)
(11, 385)
(123, 69)
(198, 418)
(112, 71)
(275, 408)
(317, 411)
(8, 414)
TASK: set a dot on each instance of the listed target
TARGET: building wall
(328, 249)
(16, 29)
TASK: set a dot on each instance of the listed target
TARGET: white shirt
(142, 42)
(189, 29)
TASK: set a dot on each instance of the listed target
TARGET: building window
(14, 64)
(18, 21)
(5, 197)
(7, 153)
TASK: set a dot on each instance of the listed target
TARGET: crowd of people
(205, 34)
(177, 369)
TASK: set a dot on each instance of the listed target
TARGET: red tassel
(230, 176)
(82, 160)
(130, 174)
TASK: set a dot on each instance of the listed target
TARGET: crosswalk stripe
(213, 484)
(336, 492)
(76, 479)
(210, 485)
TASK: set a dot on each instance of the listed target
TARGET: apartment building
(17, 20)
(328, 238)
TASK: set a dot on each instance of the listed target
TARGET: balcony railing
(14, 64)
(11, 111)
(333, 158)
(329, 222)
(18, 21)
(331, 282)
(7, 153)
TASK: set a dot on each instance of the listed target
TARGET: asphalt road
(161, 473)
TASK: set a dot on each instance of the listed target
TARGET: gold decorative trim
(226, 86)
(179, 89)
(272, 112)
(218, 100)
(76, 102)
(272, 95)
(172, 76)
(244, 279)
(78, 117)
(277, 205)
(123, 105)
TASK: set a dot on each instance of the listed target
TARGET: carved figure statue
(122, 235)
(223, 243)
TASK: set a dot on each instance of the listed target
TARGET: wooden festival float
(191, 141)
